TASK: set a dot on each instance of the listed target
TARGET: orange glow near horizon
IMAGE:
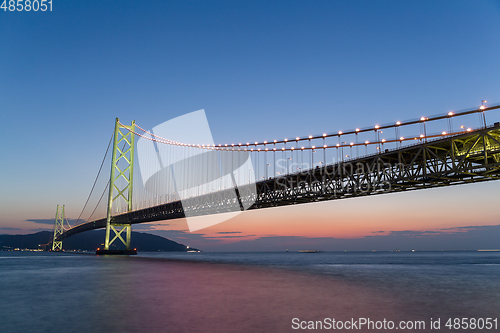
(356, 218)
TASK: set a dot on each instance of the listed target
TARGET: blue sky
(262, 70)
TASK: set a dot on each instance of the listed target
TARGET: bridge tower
(120, 187)
(58, 229)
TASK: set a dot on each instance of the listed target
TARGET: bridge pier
(115, 252)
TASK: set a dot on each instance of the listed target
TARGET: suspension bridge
(187, 179)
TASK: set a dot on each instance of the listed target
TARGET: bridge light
(338, 144)
(450, 113)
(340, 132)
(297, 138)
(313, 147)
(232, 144)
(248, 143)
(324, 146)
(421, 135)
(258, 149)
(283, 148)
(367, 142)
(398, 123)
(377, 126)
(286, 140)
(401, 138)
(239, 144)
(265, 142)
(357, 129)
(462, 126)
(225, 145)
(383, 140)
(275, 141)
(324, 134)
(351, 143)
(302, 148)
(256, 143)
(482, 107)
(444, 133)
(293, 148)
(469, 129)
(310, 136)
(274, 148)
(423, 119)
(266, 149)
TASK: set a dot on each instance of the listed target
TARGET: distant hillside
(90, 241)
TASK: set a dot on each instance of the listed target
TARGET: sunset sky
(261, 70)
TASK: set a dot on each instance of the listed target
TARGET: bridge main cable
(398, 124)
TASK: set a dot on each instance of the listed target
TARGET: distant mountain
(90, 241)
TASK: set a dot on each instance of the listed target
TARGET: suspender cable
(95, 181)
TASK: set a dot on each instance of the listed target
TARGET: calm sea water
(242, 292)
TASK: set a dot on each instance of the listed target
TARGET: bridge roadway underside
(465, 158)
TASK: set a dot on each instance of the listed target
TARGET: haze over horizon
(262, 71)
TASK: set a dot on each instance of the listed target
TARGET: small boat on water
(309, 251)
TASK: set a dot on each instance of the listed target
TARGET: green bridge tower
(58, 229)
(120, 188)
